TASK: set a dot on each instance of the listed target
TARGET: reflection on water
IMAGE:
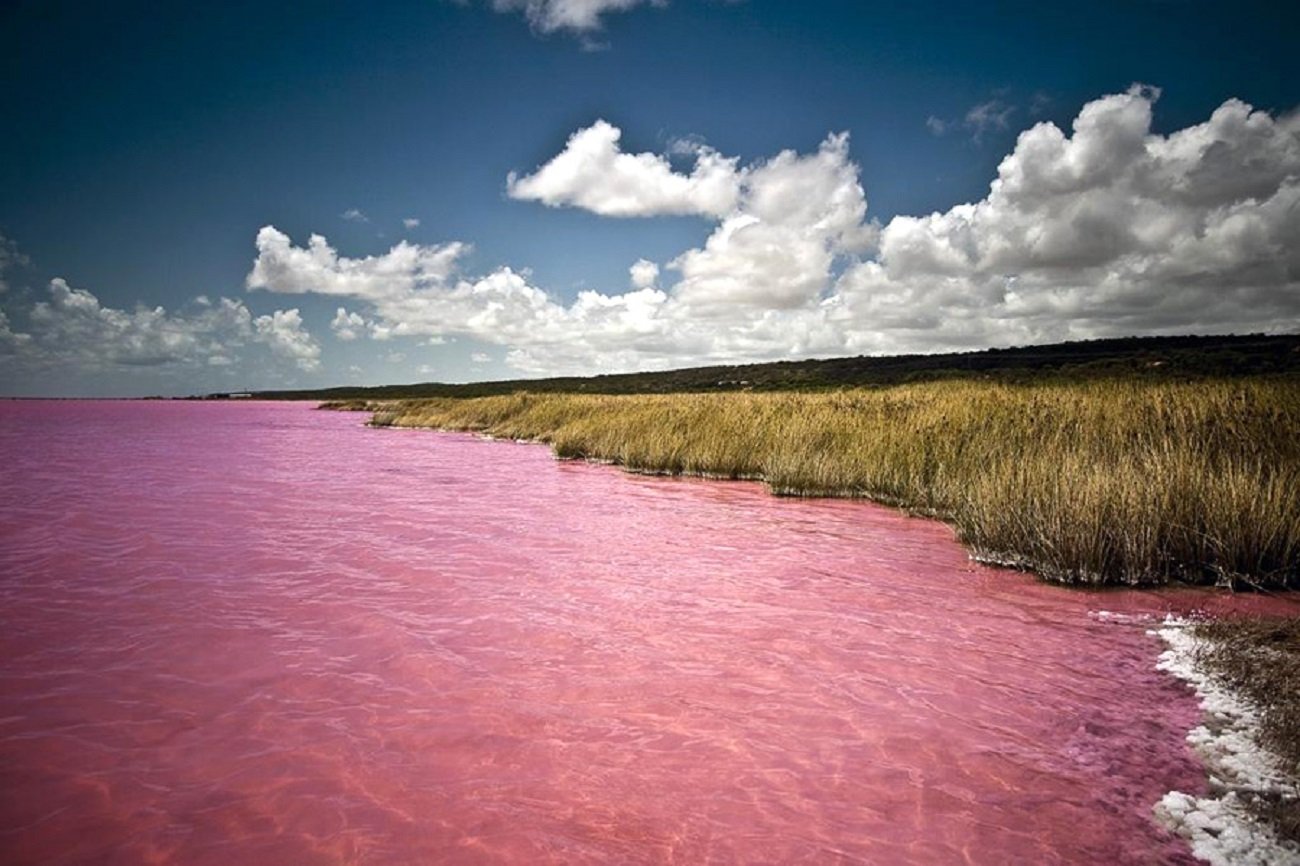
(251, 633)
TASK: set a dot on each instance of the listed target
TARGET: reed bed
(1107, 481)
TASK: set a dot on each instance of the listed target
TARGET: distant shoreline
(1162, 359)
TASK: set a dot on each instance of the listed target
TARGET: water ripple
(261, 634)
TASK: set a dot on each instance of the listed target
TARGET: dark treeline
(1154, 357)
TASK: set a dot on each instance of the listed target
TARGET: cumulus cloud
(347, 326)
(783, 221)
(319, 268)
(790, 219)
(796, 215)
(283, 331)
(643, 274)
(578, 16)
(593, 172)
(1104, 230)
(411, 223)
(72, 322)
(1111, 230)
(72, 328)
(353, 215)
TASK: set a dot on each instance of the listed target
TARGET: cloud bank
(1107, 229)
(70, 328)
(1111, 230)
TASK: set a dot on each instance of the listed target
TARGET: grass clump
(1104, 481)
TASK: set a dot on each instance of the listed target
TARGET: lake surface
(257, 633)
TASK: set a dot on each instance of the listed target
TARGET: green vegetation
(1261, 660)
(1110, 480)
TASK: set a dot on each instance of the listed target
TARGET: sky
(227, 196)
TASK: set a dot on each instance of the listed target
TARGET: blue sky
(146, 150)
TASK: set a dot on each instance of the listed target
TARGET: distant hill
(1164, 357)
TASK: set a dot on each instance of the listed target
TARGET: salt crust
(1219, 826)
(1125, 618)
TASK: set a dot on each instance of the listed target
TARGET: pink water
(251, 633)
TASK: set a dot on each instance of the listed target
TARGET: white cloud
(794, 216)
(411, 223)
(73, 323)
(593, 172)
(579, 16)
(480, 357)
(284, 333)
(797, 214)
(1106, 230)
(355, 216)
(1112, 230)
(347, 326)
(783, 221)
(643, 274)
(935, 125)
(318, 268)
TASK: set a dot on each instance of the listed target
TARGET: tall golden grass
(1110, 481)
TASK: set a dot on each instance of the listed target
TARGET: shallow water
(256, 633)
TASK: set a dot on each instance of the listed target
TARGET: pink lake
(261, 634)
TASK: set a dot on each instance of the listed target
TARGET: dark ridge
(1155, 357)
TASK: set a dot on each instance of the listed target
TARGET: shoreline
(1225, 827)
(1243, 818)
(1119, 482)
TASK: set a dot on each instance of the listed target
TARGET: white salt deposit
(1219, 826)
(1124, 618)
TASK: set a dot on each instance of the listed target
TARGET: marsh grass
(1107, 481)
